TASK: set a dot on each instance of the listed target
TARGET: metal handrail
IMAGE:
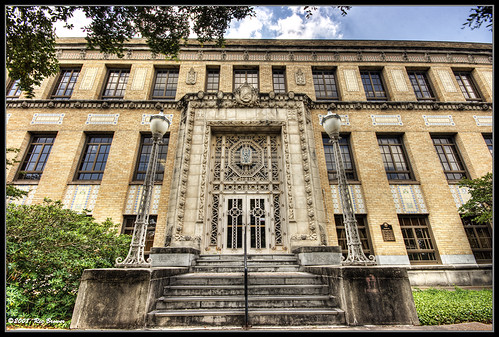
(246, 323)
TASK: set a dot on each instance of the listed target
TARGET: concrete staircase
(212, 294)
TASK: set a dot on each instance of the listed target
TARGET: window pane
(94, 158)
(36, 157)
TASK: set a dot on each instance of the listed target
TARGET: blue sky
(427, 23)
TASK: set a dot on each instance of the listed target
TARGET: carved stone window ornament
(300, 77)
(191, 77)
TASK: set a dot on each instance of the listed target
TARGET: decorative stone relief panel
(356, 195)
(133, 199)
(47, 119)
(146, 118)
(351, 80)
(88, 79)
(446, 79)
(102, 119)
(79, 197)
(438, 120)
(386, 120)
(399, 80)
(461, 195)
(191, 77)
(139, 79)
(25, 199)
(483, 120)
(300, 77)
(408, 199)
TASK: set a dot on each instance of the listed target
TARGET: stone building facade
(246, 145)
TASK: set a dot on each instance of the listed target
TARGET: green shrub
(440, 306)
(47, 249)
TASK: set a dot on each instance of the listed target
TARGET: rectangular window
(279, 80)
(449, 157)
(394, 158)
(13, 90)
(144, 155)
(347, 158)
(129, 224)
(66, 83)
(245, 75)
(489, 142)
(116, 84)
(373, 85)
(325, 84)
(480, 238)
(165, 84)
(363, 234)
(421, 86)
(94, 157)
(36, 157)
(467, 85)
(212, 79)
(417, 238)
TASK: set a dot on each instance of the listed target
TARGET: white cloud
(79, 20)
(250, 27)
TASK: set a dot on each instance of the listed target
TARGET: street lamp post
(135, 257)
(332, 125)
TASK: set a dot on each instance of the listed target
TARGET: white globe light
(332, 124)
(159, 124)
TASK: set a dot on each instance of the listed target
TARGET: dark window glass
(13, 90)
(331, 160)
(129, 224)
(165, 84)
(279, 80)
(145, 154)
(36, 157)
(363, 234)
(94, 157)
(394, 158)
(245, 75)
(212, 80)
(489, 142)
(116, 84)
(421, 86)
(468, 88)
(417, 239)
(66, 83)
(449, 157)
(325, 85)
(480, 238)
(373, 85)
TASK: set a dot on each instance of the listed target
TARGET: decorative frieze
(386, 120)
(408, 199)
(80, 197)
(47, 119)
(102, 119)
(483, 120)
(356, 196)
(438, 120)
(461, 195)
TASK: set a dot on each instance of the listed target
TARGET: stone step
(253, 278)
(231, 290)
(251, 269)
(250, 257)
(235, 317)
(219, 302)
(228, 262)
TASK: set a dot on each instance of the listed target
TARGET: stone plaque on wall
(387, 232)
(139, 79)
(88, 78)
(351, 80)
(483, 120)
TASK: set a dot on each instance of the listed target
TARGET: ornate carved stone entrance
(245, 186)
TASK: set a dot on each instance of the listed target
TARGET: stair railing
(246, 323)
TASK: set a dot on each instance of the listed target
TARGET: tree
(479, 16)
(12, 192)
(479, 206)
(47, 249)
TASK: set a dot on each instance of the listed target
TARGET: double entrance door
(246, 222)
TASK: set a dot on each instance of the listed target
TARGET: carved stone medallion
(246, 94)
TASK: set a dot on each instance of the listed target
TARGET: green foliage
(47, 249)
(440, 306)
(479, 16)
(479, 206)
(12, 192)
